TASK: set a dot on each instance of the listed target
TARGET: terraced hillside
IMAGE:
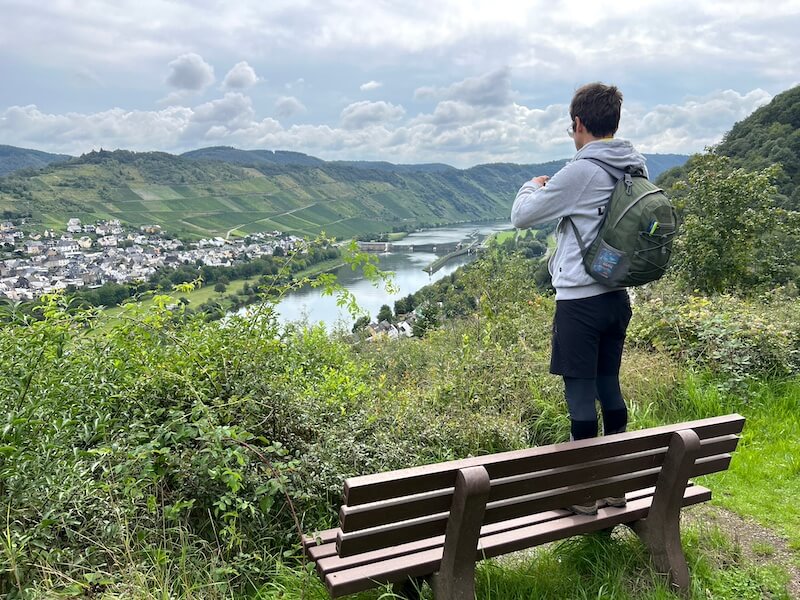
(213, 198)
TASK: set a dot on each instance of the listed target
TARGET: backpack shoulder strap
(627, 174)
(577, 236)
(615, 172)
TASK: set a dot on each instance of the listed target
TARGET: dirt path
(759, 545)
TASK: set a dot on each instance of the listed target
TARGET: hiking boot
(614, 501)
(583, 509)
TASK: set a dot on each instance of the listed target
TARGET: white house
(107, 241)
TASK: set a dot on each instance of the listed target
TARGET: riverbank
(208, 293)
(407, 261)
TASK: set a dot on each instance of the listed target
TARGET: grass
(763, 481)
(605, 567)
(195, 297)
(501, 236)
(480, 383)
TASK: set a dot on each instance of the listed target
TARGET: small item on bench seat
(584, 509)
(613, 501)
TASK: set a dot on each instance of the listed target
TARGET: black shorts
(588, 335)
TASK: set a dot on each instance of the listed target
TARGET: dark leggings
(581, 395)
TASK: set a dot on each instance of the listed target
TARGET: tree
(220, 288)
(384, 314)
(427, 318)
(403, 306)
(733, 236)
(360, 323)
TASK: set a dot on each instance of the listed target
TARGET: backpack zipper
(632, 204)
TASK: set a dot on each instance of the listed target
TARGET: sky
(454, 81)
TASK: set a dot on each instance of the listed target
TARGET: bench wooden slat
(328, 561)
(419, 564)
(325, 536)
(520, 539)
(432, 525)
(375, 514)
(417, 480)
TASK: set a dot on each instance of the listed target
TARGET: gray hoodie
(580, 191)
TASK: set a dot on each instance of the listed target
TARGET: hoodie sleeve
(536, 204)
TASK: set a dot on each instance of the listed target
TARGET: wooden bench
(435, 521)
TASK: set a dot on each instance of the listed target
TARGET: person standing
(591, 319)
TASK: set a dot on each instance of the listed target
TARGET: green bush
(735, 338)
(136, 443)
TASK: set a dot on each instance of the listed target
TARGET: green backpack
(634, 243)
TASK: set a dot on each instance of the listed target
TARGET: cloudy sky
(455, 81)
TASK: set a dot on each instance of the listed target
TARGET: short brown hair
(599, 107)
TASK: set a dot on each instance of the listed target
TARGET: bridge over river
(472, 243)
(430, 248)
(309, 303)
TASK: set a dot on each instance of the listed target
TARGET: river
(309, 304)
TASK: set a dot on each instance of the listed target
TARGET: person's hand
(541, 180)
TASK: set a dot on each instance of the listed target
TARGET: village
(92, 254)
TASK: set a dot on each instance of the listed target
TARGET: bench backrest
(396, 507)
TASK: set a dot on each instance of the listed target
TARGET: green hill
(209, 195)
(251, 158)
(13, 159)
(214, 198)
(771, 135)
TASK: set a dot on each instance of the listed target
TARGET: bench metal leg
(660, 531)
(456, 577)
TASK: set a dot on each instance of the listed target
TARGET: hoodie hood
(616, 153)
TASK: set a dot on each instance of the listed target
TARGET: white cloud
(287, 106)
(694, 124)
(454, 131)
(297, 83)
(234, 110)
(370, 85)
(190, 72)
(362, 114)
(240, 77)
(490, 89)
(75, 133)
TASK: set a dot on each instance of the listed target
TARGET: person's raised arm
(544, 199)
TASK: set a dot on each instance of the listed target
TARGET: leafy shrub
(735, 338)
(136, 443)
